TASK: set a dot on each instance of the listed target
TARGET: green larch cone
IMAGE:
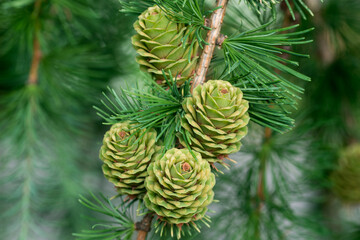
(346, 178)
(126, 157)
(215, 120)
(160, 47)
(179, 187)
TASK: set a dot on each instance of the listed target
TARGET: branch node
(220, 40)
(144, 226)
(207, 22)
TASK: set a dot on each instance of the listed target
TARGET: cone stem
(216, 21)
(144, 226)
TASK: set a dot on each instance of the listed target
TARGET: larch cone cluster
(175, 184)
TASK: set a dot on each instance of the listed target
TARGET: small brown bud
(224, 91)
(186, 167)
(122, 134)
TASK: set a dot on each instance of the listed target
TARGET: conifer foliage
(203, 82)
(54, 55)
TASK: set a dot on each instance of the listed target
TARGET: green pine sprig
(153, 107)
(300, 6)
(253, 62)
(189, 12)
(260, 213)
(260, 6)
(135, 7)
(120, 226)
(294, 6)
(45, 123)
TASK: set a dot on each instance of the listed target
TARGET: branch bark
(35, 62)
(215, 23)
(34, 70)
(144, 226)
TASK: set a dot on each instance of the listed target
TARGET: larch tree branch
(216, 21)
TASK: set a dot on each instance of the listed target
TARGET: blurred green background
(50, 134)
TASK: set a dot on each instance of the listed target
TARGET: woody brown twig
(36, 58)
(216, 21)
(33, 75)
